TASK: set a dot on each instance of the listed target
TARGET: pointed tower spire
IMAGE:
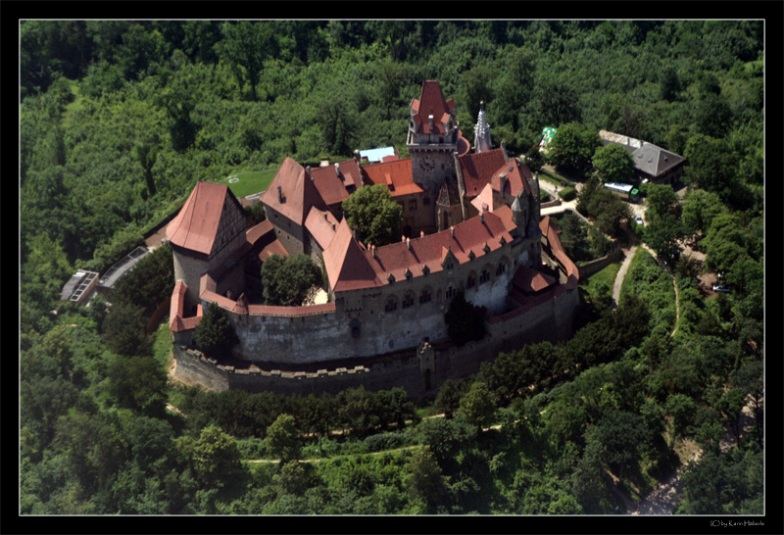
(482, 141)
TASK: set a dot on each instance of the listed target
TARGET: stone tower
(482, 141)
(432, 138)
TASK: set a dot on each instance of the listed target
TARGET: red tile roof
(346, 264)
(557, 250)
(478, 169)
(470, 235)
(255, 233)
(178, 323)
(530, 280)
(485, 198)
(196, 225)
(396, 175)
(272, 248)
(463, 145)
(322, 225)
(515, 173)
(329, 185)
(431, 102)
(351, 173)
(299, 192)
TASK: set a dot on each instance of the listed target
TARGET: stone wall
(589, 268)
(419, 371)
(377, 321)
(291, 236)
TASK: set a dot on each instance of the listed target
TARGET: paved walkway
(616, 292)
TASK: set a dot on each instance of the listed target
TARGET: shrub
(286, 281)
(465, 322)
(215, 335)
(568, 194)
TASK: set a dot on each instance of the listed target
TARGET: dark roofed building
(651, 161)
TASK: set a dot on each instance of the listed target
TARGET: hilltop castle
(471, 223)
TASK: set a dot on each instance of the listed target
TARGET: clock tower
(432, 138)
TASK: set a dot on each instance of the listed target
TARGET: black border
(771, 11)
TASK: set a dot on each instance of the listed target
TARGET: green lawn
(162, 344)
(553, 175)
(603, 277)
(249, 181)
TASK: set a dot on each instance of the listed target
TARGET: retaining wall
(420, 372)
(589, 268)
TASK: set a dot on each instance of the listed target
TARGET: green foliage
(287, 280)
(124, 329)
(448, 397)
(213, 456)
(596, 201)
(148, 282)
(574, 237)
(573, 147)
(477, 405)
(373, 214)
(613, 163)
(138, 383)
(699, 208)
(215, 335)
(465, 322)
(568, 194)
(653, 285)
(120, 118)
(283, 438)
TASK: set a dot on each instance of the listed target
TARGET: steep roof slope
(329, 184)
(292, 193)
(431, 102)
(346, 264)
(478, 169)
(196, 225)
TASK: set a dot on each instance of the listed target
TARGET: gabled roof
(396, 175)
(515, 174)
(322, 226)
(478, 169)
(196, 225)
(469, 235)
(346, 263)
(486, 198)
(431, 102)
(329, 185)
(298, 191)
(531, 281)
(350, 173)
(654, 160)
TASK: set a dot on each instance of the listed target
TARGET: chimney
(452, 231)
(337, 170)
(281, 198)
(482, 215)
(421, 233)
(408, 244)
(431, 122)
(485, 208)
(307, 171)
(402, 238)
(356, 155)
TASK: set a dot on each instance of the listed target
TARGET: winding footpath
(621, 275)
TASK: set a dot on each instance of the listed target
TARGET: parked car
(721, 288)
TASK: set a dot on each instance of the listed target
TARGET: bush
(373, 214)
(215, 335)
(385, 441)
(286, 281)
(568, 194)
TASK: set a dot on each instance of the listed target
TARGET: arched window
(391, 304)
(426, 296)
(500, 269)
(471, 282)
(485, 275)
(408, 300)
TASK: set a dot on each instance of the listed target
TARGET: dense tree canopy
(613, 163)
(119, 119)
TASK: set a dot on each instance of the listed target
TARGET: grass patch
(162, 344)
(604, 277)
(553, 175)
(246, 181)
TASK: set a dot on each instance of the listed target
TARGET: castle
(471, 223)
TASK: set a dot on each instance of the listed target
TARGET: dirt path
(616, 292)
(677, 307)
(322, 459)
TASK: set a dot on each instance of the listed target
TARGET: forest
(119, 119)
